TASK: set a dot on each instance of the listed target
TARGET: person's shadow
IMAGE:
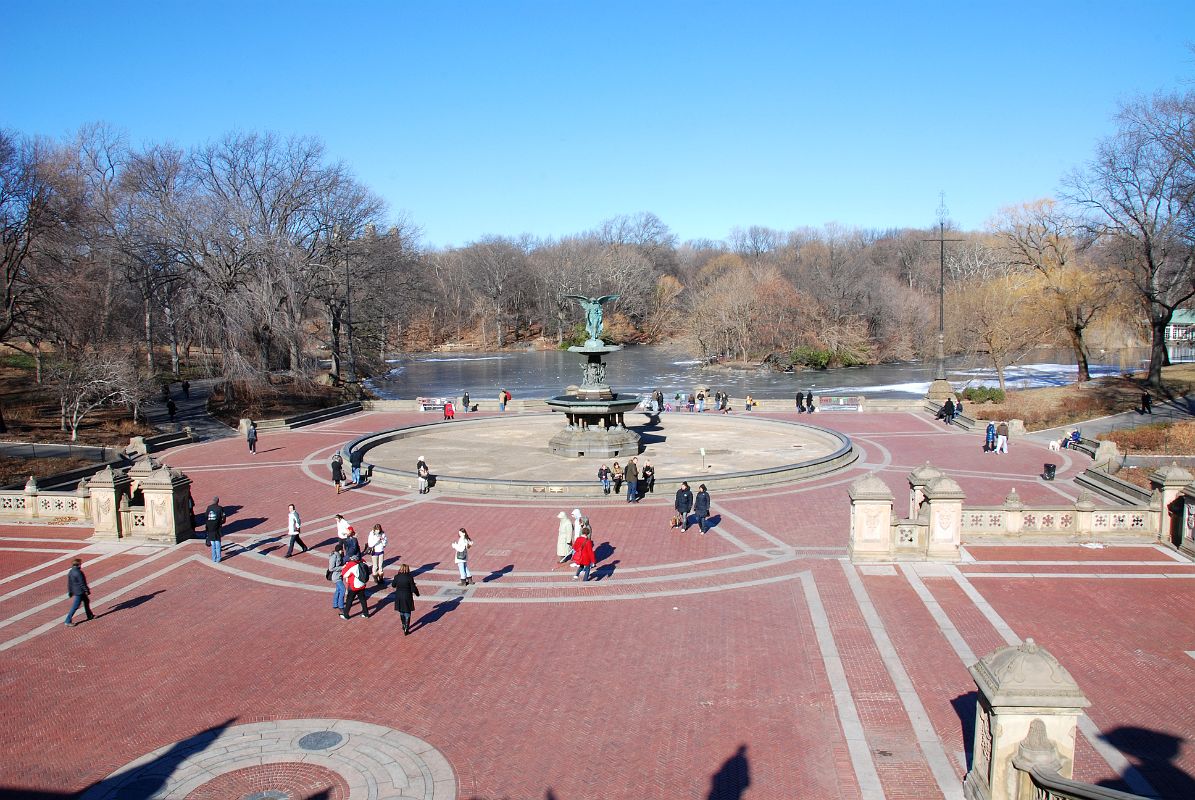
(498, 573)
(132, 602)
(603, 551)
(713, 522)
(1154, 753)
(605, 570)
(732, 780)
(438, 611)
(425, 568)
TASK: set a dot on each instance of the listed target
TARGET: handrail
(1053, 786)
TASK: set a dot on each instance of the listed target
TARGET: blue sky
(476, 118)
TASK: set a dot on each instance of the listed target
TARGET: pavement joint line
(1078, 563)
(36, 567)
(1113, 757)
(1173, 554)
(945, 626)
(55, 577)
(37, 550)
(58, 601)
(1191, 653)
(990, 614)
(57, 623)
(944, 773)
(1084, 575)
(7, 538)
(758, 531)
(864, 767)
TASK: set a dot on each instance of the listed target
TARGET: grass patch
(1163, 438)
(17, 469)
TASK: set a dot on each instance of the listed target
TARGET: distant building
(1181, 329)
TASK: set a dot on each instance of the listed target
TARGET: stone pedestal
(1028, 709)
(918, 480)
(595, 425)
(167, 515)
(1188, 540)
(871, 520)
(940, 391)
(944, 499)
(1171, 481)
(1014, 512)
(106, 489)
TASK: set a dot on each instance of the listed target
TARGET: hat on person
(351, 529)
(562, 515)
(576, 513)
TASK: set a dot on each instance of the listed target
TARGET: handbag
(328, 574)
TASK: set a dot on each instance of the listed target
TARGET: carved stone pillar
(167, 516)
(918, 480)
(871, 520)
(1084, 511)
(944, 499)
(1171, 481)
(106, 489)
(1014, 516)
(1025, 698)
(31, 509)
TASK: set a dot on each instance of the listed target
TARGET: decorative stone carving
(1170, 481)
(1028, 707)
(944, 501)
(918, 480)
(107, 488)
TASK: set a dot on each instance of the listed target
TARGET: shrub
(983, 394)
(811, 357)
(17, 360)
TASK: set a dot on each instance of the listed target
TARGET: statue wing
(605, 298)
(580, 297)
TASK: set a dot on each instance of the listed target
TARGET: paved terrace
(754, 662)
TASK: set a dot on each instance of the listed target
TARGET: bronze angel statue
(593, 312)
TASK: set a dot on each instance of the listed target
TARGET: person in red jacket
(355, 583)
(583, 556)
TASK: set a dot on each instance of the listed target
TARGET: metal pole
(348, 319)
(941, 375)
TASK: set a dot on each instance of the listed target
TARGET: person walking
(800, 403)
(356, 581)
(700, 402)
(604, 478)
(336, 575)
(375, 546)
(355, 458)
(683, 505)
(564, 538)
(251, 437)
(213, 526)
(749, 403)
(78, 591)
(171, 409)
(583, 556)
(1002, 438)
(648, 480)
(948, 411)
(352, 545)
(293, 524)
(989, 438)
(461, 551)
(186, 390)
(405, 592)
(616, 476)
(632, 478)
(337, 466)
(501, 399)
(342, 526)
(1147, 404)
(809, 407)
(701, 508)
(465, 407)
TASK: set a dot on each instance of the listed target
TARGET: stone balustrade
(33, 504)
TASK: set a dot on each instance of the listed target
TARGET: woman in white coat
(564, 538)
(461, 554)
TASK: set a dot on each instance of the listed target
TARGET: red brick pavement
(649, 690)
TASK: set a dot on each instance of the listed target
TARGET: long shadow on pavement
(438, 611)
(132, 602)
(731, 781)
(1153, 753)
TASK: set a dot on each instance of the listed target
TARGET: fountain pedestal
(595, 426)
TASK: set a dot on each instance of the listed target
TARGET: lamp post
(348, 321)
(940, 388)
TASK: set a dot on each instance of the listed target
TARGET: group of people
(336, 466)
(639, 482)
(805, 403)
(995, 438)
(691, 508)
(574, 543)
(950, 410)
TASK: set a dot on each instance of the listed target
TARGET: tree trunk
(1082, 353)
(334, 336)
(149, 336)
(1159, 318)
(172, 330)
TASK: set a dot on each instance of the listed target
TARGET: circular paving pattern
(287, 760)
(509, 456)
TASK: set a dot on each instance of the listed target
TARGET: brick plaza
(754, 662)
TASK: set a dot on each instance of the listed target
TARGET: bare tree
(1138, 191)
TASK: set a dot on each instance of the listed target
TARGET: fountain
(594, 411)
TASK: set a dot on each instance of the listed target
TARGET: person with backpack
(701, 508)
(355, 458)
(352, 545)
(78, 591)
(461, 555)
(356, 581)
(335, 574)
(213, 528)
(251, 437)
(405, 592)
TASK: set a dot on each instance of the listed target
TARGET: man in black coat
(213, 523)
(405, 592)
(683, 504)
(77, 590)
(701, 508)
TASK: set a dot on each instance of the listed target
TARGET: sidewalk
(1176, 410)
(191, 411)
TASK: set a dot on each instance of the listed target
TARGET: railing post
(106, 489)
(918, 480)
(1025, 698)
(1014, 513)
(944, 498)
(31, 509)
(1170, 481)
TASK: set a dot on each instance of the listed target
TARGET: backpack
(365, 572)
